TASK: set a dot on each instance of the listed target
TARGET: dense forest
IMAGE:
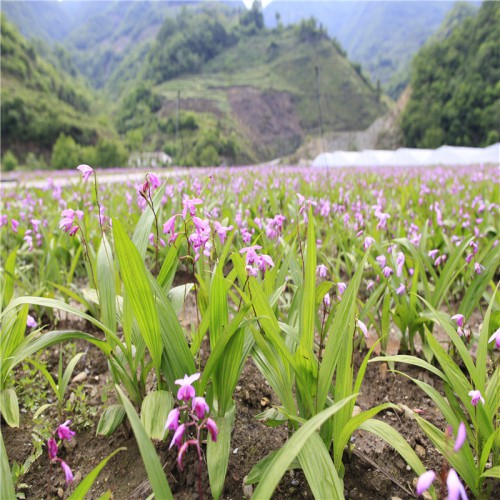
(456, 86)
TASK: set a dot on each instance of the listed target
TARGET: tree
(65, 153)
(9, 162)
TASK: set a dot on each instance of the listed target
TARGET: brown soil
(374, 471)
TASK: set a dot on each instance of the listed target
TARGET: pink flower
(190, 205)
(30, 322)
(369, 241)
(14, 224)
(153, 180)
(186, 390)
(182, 452)
(212, 428)
(53, 449)
(67, 471)
(456, 489)
(400, 262)
(432, 254)
(251, 255)
(381, 260)
(476, 397)
(424, 481)
(461, 436)
(169, 226)
(401, 289)
(64, 432)
(222, 231)
(177, 439)
(172, 420)
(495, 337)
(459, 318)
(321, 271)
(86, 171)
(341, 287)
(200, 407)
(363, 328)
(478, 268)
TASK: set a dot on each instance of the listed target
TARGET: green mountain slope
(381, 36)
(455, 86)
(39, 102)
(255, 88)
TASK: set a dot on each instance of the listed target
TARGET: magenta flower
(172, 420)
(182, 452)
(86, 171)
(251, 255)
(53, 449)
(178, 435)
(67, 471)
(186, 390)
(495, 337)
(459, 318)
(456, 489)
(190, 206)
(30, 322)
(222, 231)
(424, 481)
(212, 428)
(200, 407)
(476, 397)
(363, 328)
(64, 432)
(169, 226)
(153, 180)
(265, 262)
(461, 436)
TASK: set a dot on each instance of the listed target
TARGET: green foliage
(66, 153)
(110, 153)
(9, 162)
(455, 93)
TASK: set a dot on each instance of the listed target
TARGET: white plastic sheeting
(407, 157)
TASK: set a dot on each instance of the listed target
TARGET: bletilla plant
(64, 433)
(188, 420)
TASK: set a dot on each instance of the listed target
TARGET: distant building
(155, 159)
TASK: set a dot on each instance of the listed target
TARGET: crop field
(261, 332)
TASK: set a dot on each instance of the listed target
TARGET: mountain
(245, 90)
(455, 95)
(381, 36)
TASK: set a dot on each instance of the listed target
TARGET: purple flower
(387, 271)
(186, 390)
(478, 268)
(172, 420)
(369, 241)
(190, 206)
(363, 328)
(495, 337)
(400, 262)
(67, 471)
(212, 428)
(53, 449)
(432, 254)
(177, 439)
(381, 260)
(401, 289)
(341, 287)
(459, 318)
(222, 231)
(461, 436)
(153, 180)
(86, 171)
(476, 397)
(169, 226)
(182, 452)
(327, 301)
(456, 489)
(200, 407)
(64, 432)
(321, 271)
(265, 262)
(424, 481)
(30, 322)
(251, 255)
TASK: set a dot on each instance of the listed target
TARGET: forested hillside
(456, 86)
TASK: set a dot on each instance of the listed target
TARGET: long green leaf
(321, 475)
(154, 412)
(106, 284)
(151, 461)
(137, 284)
(63, 383)
(111, 418)
(9, 407)
(7, 491)
(291, 449)
(218, 453)
(9, 277)
(85, 485)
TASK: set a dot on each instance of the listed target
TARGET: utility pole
(318, 97)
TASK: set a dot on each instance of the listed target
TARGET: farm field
(271, 332)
